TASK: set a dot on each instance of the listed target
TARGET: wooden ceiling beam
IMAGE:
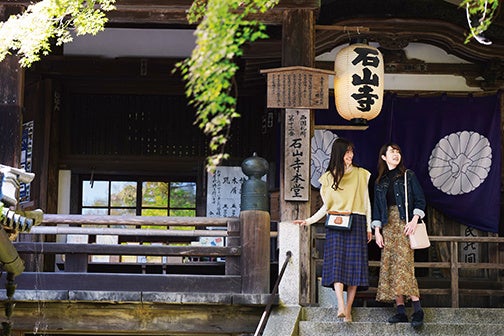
(421, 68)
(169, 12)
(397, 33)
(80, 66)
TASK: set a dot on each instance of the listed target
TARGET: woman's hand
(300, 222)
(410, 227)
(379, 238)
(369, 236)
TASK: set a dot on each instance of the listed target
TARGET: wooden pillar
(11, 102)
(255, 254)
(298, 48)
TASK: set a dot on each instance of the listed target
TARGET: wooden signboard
(298, 87)
(297, 155)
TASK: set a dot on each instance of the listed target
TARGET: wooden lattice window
(145, 197)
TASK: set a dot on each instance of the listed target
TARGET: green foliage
(155, 194)
(222, 30)
(182, 195)
(125, 197)
(484, 11)
(28, 35)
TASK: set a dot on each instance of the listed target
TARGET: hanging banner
(453, 144)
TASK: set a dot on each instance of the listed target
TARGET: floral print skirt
(397, 269)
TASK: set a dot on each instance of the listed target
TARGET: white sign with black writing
(224, 192)
(297, 155)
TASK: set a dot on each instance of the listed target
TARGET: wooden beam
(144, 233)
(106, 249)
(397, 33)
(127, 282)
(357, 29)
(421, 68)
(123, 317)
(174, 12)
(342, 127)
(51, 219)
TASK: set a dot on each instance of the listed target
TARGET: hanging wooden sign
(297, 155)
(298, 87)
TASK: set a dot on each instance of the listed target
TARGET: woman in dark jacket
(397, 272)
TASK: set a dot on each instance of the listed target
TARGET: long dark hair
(336, 164)
(382, 165)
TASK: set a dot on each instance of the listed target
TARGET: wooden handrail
(61, 230)
(264, 318)
(151, 238)
(50, 219)
(112, 249)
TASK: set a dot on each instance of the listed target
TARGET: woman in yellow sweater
(344, 188)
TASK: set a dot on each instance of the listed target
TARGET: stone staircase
(316, 321)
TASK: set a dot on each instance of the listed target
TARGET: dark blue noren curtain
(452, 144)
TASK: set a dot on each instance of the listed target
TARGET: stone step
(310, 328)
(373, 321)
(432, 315)
(367, 321)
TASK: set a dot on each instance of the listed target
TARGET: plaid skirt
(346, 256)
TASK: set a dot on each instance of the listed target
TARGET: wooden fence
(453, 265)
(147, 275)
(167, 257)
(147, 254)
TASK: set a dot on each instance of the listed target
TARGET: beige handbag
(419, 239)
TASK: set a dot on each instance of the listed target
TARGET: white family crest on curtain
(460, 162)
(321, 144)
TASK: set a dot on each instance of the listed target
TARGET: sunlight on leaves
(209, 73)
(27, 35)
(480, 14)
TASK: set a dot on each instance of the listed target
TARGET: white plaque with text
(297, 155)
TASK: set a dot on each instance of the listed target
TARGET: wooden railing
(198, 268)
(453, 265)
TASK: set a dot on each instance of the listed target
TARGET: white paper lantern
(358, 82)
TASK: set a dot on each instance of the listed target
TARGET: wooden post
(454, 274)
(255, 255)
(11, 101)
(298, 48)
(233, 240)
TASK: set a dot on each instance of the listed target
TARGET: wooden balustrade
(193, 267)
(453, 265)
(200, 268)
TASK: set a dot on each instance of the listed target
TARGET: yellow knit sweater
(352, 195)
